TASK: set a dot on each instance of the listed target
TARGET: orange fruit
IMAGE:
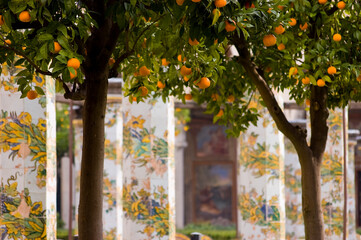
(216, 11)
(144, 71)
(143, 91)
(306, 80)
(204, 83)
(186, 78)
(281, 47)
(322, 1)
(220, 113)
(32, 94)
(180, 2)
(294, 69)
(337, 37)
(359, 78)
(220, 3)
(24, 16)
(184, 71)
(280, 29)
(308, 102)
(196, 1)
(188, 96)
(269, 40)
(74, 63)
(292, 22)
(193, 42)
(304, 26)
(165, 62)
(24, 48)
(111, 61)
(281, 7)
(73, 75)
(230, 99)
(341, 5)
(320, 83)
(331, 70)
(180, 58)
(57, 47)
(215, 96)
(8, 41)
(230, 26)
(160, 85)
(1, 20)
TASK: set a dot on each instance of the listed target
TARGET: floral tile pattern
(27, 160)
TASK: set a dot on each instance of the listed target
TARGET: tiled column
(261, 200)
(351, 198)
(27, 160)
(148, 170)
(112, 211)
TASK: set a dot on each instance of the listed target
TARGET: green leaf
(45, 37)
(39, 90)
(326, 78)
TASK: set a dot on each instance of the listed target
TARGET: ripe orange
(220, 113)
(193, 42)
(337, 37)
(292, 22)
(306, 80)
(220, 3)
(165, 62)
(215, 96)
(280, 29)
(304, 26)
(294, 70)
(281, 7)
(160, 85)
(32, 94)
(186, 78)
(359, 78)
(322, 1)
(180, 58)
(111, 61)
(184, 71)
(24, 16)
(188, 96)
(196, 1)
(73, 62)
(143, 91)
(320, 83)
(341, 5)
(144, 71)
(204, 83)
(331, 70)
(308, 102)
(230, 26)
(8, 41)
(269, 40)
(281, 47)
(1, 20)
(216, 11)
(57, 47)
(73, 75)
(230, 99)
(180, 2)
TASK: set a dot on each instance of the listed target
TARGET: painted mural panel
(261, 213)
(27, 160)
(112, 180)
(148, 170)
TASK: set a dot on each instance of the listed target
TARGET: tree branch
(294, 134)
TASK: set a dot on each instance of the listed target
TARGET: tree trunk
(311, 198)
(92, 165)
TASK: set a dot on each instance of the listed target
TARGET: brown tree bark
(310, 156)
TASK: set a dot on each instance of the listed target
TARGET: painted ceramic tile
(261, 213)
(28, 160)
(148, 182)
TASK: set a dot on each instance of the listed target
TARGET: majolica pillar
(112, 180)
(260, 180)
(27, 160)
(148, 170)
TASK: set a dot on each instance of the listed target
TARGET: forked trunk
(311, 198)
(92, 165)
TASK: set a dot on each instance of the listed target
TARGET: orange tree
(309, 47)
(181, 48)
